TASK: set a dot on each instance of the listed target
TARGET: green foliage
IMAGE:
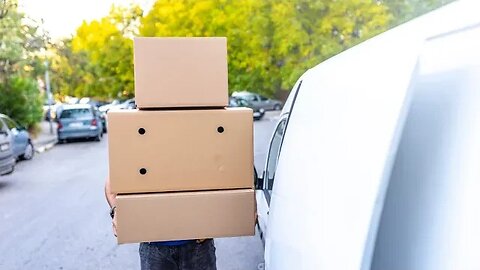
(20, 64)
(270, 43)
(21, 100)
(306, 32)
(98, 61)
(405, 10)
(70, 71)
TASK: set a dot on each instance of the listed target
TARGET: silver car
(79, 121)
(7, 159)
(258, 101)
(22, 145)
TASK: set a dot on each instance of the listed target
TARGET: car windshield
(242, 102)
(76, 113)
(248, 97)
(233, 103)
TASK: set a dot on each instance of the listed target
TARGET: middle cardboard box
(180, 150)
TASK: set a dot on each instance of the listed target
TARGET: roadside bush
(21, 100)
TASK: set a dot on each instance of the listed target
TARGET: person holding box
(200, 186)
(170, 255)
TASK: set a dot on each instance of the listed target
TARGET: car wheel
(277, 107)
(29, 152)
(99, 137)
(258, 118)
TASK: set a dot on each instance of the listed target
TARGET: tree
(71, 72)
(107, 46)
(405, 10)
(5, 6)
(20, 65)
(21, 100)
(270, 43)
(306, 32)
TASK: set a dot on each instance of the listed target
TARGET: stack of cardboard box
(181, 164)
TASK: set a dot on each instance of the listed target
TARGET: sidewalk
(45, 140)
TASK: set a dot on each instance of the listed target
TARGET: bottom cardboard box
(185, 215)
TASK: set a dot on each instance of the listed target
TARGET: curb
(45, 146)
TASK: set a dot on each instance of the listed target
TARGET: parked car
(105, 108)
(95, 103)
(258, 101)
(126, 105)
(7, 158)
(378, 169)
(22, 143)
(238, 102)
(79, 121)
(103, 118)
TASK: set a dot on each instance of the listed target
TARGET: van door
(264, 195)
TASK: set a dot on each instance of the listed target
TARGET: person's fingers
(114, 226)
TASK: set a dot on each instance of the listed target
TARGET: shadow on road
(4, 184)
(73, 141)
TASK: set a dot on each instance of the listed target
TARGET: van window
(273, 154)
(276, 147)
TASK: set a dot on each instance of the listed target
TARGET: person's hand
(114, 225)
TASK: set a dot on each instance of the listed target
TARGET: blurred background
(61, 61)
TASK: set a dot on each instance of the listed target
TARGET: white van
(375, 161)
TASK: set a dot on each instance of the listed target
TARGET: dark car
(258, 113)
(7, 158)
(103, 119)
(22, 143)
(79, 121)
(258, 101)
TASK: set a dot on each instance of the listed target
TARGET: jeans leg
(155, 257)
(198, 256)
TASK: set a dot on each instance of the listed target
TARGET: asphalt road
(53, 213)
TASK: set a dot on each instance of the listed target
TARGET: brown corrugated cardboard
(179, 150)
(185, 215)
(181, 72)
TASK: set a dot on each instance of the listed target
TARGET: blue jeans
(189, 256)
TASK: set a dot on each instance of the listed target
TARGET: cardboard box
(185, 215)
(181, 72)
(158, 151)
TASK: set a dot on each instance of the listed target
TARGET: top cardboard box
(180, 72)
